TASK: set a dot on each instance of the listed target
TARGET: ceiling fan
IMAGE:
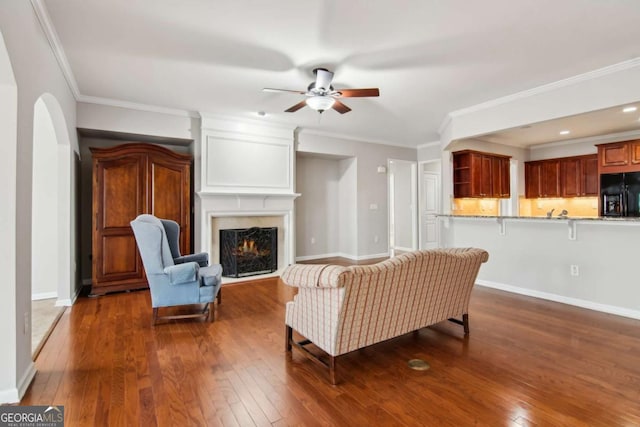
(321, 95)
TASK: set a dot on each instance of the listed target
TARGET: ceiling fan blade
(269, 89)
(323, 78)
(340, 107)
(296, 107)
(353, 93)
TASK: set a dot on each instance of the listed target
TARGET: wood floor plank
(526, 362)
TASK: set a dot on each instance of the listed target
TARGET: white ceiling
(428, 57)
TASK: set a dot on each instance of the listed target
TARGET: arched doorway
(51, 230)
(8, 165)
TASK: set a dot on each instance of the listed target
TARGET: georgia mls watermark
(31, 416)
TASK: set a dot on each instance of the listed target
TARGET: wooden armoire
(129, 180)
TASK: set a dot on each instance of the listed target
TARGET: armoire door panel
(125, 263)
(121, 192)
(169, 187)
(166, 193)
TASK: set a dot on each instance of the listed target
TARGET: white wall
(552, 151)
(318, 208)
(534, 258)
(371, 186)
(36, 72)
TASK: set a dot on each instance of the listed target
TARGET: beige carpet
(44, 315)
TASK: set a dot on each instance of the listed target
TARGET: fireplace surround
(245, 178)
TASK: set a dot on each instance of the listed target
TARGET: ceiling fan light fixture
(320, 102)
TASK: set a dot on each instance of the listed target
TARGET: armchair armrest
(202, 259)
(211, 275)
(314, 276)
(182, 273)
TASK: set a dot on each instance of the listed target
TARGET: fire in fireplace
(248, 251)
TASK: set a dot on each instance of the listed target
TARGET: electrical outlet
(376, 239)
(313, 240)
(26, 323)
(574, 270)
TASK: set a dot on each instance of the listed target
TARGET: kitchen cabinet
(129, 180)
(477, 174)
(575, 176)
(542, 178)
(579, 176)
(619, 157)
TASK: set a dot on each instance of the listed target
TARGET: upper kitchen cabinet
(542, 178)
(477, 174)
(579, 176)
(619, 157)
(563, 177)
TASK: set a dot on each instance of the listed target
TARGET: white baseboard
(13, 395)
(319, 256)
(43, 295)
(342, 255)
(26, 379)
(69, 302)
(9, 396)
(604, 308)
(400, 248)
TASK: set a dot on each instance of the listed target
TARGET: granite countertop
(554, 218)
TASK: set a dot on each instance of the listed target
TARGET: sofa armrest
(182, 273)
(314, 276)
(202, 259)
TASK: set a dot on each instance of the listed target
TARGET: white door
(431, 207)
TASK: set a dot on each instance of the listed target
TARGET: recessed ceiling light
(629, 109)
(262, 113)
(565, 132)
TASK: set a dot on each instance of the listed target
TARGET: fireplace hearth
(248, 251)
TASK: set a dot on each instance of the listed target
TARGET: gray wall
(371, 186)
(318, 208)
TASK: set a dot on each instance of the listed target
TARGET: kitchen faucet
(550, 213)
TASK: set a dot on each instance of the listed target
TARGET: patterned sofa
(341, 309)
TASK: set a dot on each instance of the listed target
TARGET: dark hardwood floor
(526, 362)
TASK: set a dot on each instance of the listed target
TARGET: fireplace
(248, 251)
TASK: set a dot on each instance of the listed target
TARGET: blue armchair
(174, 279)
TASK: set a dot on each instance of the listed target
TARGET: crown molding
(429, 144)
(136, 106)
(353, 138)
(611, 137)
(446, 122)
(205, 117)
(54, 41)
(600, 72)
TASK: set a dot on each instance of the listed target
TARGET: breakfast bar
(587, 262)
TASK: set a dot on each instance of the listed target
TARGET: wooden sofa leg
(465, 323)
(219, 296)
(155, 316)
(332, 369)
(288, 336)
